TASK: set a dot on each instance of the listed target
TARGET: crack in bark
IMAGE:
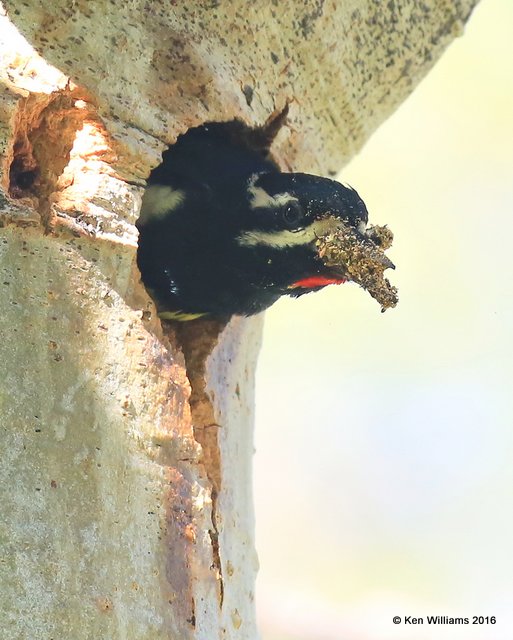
(197, 339)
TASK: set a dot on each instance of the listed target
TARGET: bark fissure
(197, 339)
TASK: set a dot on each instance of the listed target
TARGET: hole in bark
(46, 129)
(52, 131)
(200, 151)
(21, 176)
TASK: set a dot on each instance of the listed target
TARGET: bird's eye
(292, 214)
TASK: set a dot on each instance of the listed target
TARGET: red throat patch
(316, 281)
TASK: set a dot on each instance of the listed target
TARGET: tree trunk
(126, 446)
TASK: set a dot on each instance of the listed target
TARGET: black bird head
(223, 232)
(279, 222)
(310, 197)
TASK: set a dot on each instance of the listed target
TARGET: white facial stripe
(287, 238)
(159, 200)
(261, 199)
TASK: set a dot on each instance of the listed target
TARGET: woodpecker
(222, 231)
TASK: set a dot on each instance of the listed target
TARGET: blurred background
(384, 442)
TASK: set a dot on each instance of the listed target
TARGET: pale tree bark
(125, 497)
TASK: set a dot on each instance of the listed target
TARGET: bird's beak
(357, 253)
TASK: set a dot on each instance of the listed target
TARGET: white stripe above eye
(261, 199)
(159, 200)
(287, 238)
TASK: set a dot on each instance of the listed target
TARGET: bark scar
(197, 339)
